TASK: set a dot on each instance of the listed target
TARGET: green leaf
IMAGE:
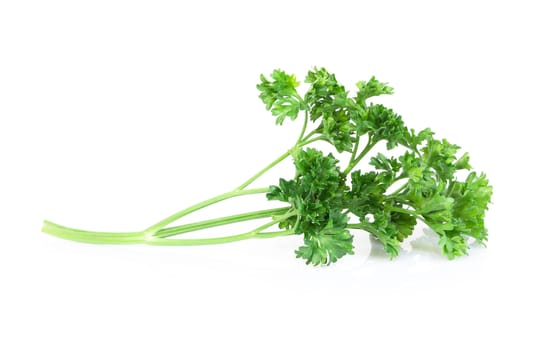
(413, 167)
(328, 101)
(317, 189)
(436, 208)
(404, 224)
(471, 200)
(325, 94)
(463, 162)
(386, 233)
(382, 123)
(440, 155)
(416, 139)
(453, 246)
(280, 95)
(285, 191)
(371, 88)
(381, 162)
(329, 244)
(367, 194)
(453, 209)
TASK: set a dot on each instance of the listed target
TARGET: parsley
(324, 202)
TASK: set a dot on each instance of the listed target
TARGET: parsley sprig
(324, 202)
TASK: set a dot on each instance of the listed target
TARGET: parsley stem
(403, 210)
(226, 239)
(396, 192)
(271, 234)
(361, 226)
(101, 237)
(302, 141)
(355, 150)
(235, 193)
(305, 122)
(171, 231)
(200, 241)
(239, 191)
(309, 135)
(96, 237)
(363, 153)
(319, 138)
(263, 171)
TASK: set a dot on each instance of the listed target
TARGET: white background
(115, 114)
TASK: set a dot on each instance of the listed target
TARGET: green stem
(279, 159)
(309, 135)
(235, 193)
(271, 234)
(403, 186)
(368, 147)
(199, 241)
(263, 171)
(219, 240)
(305, 122)
(403, 210)
(171, 231)
(302, 141)
(355, 150)
(101, 237)
(97, 237)
(361, 226)
(319, 138)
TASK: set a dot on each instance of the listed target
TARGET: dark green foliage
(328, 101)
(317, 189)
(383, 124)
(328, 244)
(387, 201)
(371, 88)
(316, 194)
(280, 95)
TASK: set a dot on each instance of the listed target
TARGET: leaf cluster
(316, 194)
(422, 185)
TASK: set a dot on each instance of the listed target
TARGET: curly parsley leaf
(280, 95)
(328, 102)
(316, 190)
(371, 88)
(327, 245)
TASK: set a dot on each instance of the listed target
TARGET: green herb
(324, 202)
